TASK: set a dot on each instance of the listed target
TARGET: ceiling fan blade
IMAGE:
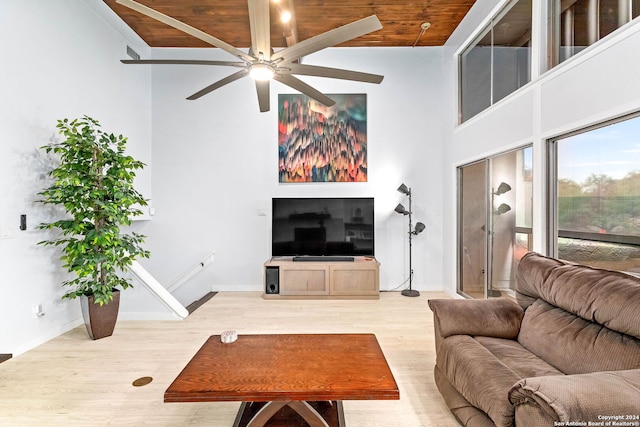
(328, 39)
(185, 28)
(260, 28)
(183, 62)
(262, 87)
(301, 86)
(232, 78)
(333, 73)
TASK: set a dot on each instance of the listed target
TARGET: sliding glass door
(494, 222)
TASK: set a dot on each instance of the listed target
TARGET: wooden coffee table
(285, 379)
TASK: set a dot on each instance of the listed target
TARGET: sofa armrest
(498, 318)
(596, 397)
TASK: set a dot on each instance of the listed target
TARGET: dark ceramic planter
(100, 320)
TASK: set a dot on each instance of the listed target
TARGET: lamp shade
(502, 188)
(404, 189)
(401, 210)
(419, 228)
(502, 209)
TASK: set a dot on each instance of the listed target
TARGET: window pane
(475, 75)
(584, 22)
(512, 50)
(472, 231)
(598, 190)
(498, 62)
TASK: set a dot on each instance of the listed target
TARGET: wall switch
(262, 212)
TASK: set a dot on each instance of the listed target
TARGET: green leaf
(94, 184)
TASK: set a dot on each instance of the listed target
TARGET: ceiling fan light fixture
(261, 71)
(261, 62)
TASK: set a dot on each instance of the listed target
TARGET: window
(498, 62)
(494, 222)
(596, 194)
(580, 23)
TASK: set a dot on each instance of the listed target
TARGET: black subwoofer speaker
(272, 280)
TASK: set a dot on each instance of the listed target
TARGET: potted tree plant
(94, 184)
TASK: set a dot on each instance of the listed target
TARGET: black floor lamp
(412, 232)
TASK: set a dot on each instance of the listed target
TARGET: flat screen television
(322, 227)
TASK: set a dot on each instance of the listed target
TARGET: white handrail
(182, 279)
(157, 290)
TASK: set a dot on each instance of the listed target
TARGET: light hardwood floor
(73, 381)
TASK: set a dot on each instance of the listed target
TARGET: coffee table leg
(306, 411)
(238, 420)
(310, 415)
(265, 413)
(341, 422)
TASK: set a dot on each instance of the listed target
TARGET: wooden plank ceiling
(228, 20)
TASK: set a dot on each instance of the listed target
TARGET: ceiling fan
(261, 62)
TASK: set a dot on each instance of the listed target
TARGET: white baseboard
(41, 339)
(237, 288)
(146, 316)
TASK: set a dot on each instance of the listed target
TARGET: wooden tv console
(357, 279)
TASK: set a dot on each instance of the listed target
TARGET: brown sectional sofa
(568, 353)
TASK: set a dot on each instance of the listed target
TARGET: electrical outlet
(5, 233)
(37, 310)
(262, 212)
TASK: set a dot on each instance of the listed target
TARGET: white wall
(214, 160)
(215, 166)
(59, 60)
(597, 85)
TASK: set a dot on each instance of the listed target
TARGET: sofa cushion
(517, 358)
(484, 380)
(531, 276)
(610, 298)
(573, 344)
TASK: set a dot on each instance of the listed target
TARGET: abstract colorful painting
(317, 143)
